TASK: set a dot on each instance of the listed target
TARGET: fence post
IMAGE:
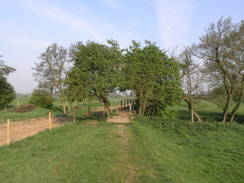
(50, 120)
(74, 116)
(192, 116)
(130, 107)
(121, 104)
(8, 132)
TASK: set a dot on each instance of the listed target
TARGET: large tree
(220, 48)
(7, 93)
(51, 71)
(152, 75)
(95, 71)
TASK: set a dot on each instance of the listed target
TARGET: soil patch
(23, 129)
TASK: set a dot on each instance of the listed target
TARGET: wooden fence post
(121, 104)
(50, 121)
(192, 116)
(74, 116)
(8, 132)
(130, 107)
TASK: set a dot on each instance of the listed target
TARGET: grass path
(126, 164)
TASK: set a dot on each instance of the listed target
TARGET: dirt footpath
(121, 117)
(125, 162)
(23, 129)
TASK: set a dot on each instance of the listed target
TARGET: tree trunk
(192, 116)
(89, 106)
(193, 113)
(106, 104)
(196, 115)
(64, 108)
(225, 112)
(236, 107)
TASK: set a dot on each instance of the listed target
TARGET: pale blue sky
(29, 26)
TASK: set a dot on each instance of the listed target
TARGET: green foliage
(41, 98)
(94, 73)
(4, 69)
(153, 76)
(181, 127)
(7, 93)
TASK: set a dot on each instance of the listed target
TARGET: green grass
(41, 112)
(207, 110)
(71, 153)
(14, 116)
(159, 151)
(21, 100)
(184, 153)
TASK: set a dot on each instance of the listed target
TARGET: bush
(23, 108)
(41, 98)
(177, 126)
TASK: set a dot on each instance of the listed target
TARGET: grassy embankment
(174, 151)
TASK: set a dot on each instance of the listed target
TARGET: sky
(27, 27)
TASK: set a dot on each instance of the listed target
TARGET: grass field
(153, 150)
(177, 152)
(207, 110)
(41, 112)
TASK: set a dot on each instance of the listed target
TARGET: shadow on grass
(57, 109)
(207, 116)
(98, 116)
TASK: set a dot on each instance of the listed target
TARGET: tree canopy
(95, 71)
(152, 75)
(7, 93)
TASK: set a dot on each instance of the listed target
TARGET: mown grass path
(126, 165)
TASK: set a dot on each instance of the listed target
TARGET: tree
(191, 79)
(51, 71)
(41, 98)
(239, 59)
(7, 93)
(95, 72)
(152, 75)
(4, 69)
(220, 48)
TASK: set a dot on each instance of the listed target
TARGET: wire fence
(15, 131)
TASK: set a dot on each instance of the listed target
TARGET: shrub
(41, 98)
(177, 126)
(23, 108)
